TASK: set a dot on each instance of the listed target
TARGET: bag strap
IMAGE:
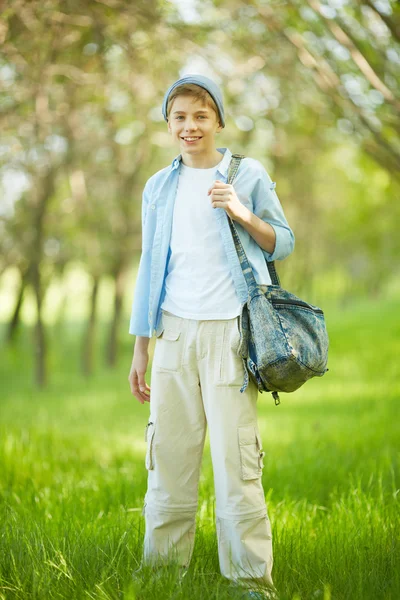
(244, 263)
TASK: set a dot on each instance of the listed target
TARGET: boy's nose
(189, 125)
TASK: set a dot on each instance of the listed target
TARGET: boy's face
(189, 118)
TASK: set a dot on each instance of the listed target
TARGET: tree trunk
(112, 345)
(40, 345)
(60, 315)
(14, 322)
(89, 338)
(45, 186)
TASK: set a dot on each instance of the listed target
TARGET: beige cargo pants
(195, 380)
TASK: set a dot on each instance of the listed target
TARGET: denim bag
(284, 341)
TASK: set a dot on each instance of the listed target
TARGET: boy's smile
(194, 125)
(191, 140)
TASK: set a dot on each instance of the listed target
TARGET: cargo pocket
(251, 452)
(168, 350)
(149, 438)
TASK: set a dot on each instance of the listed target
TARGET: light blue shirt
(253, 187)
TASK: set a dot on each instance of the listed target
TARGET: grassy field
(72, 476)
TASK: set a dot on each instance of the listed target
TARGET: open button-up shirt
(255, 190)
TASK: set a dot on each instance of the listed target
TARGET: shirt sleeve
(139, 325)
(268, 208)
(145, 204)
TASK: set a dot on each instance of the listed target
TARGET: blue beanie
(204, 82)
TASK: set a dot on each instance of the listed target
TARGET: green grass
(72, 476)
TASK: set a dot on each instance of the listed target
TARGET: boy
(190, 292)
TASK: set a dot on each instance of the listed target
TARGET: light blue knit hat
(204, 82)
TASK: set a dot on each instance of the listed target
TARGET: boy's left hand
(224, 196)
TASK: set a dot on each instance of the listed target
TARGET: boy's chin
(196, 146)
(190, 145)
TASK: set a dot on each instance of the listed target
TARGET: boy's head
(200, 88)
(193, 109)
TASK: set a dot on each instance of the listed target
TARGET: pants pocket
(168, 350)
(149, 438)
(251, 452)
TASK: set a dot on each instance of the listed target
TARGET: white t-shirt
(199, 284)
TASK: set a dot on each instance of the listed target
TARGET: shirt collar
(223, 167)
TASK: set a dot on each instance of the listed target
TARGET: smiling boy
(190, 292)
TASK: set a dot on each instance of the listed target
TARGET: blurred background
(311, 89)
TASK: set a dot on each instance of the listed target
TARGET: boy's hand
(139, 387)
(224, 196)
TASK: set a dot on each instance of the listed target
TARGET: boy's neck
(201, 161)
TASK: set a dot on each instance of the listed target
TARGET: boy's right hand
(139, 387)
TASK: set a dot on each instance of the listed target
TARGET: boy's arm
(261, 231)
(139, 325)
(141, 343)
(268, 208)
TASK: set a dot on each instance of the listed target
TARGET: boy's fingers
(145, 396)
(144, 388)
(213, 185)
(217, 184)
(138, 388)
(138, 395)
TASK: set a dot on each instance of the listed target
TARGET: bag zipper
(297, 302)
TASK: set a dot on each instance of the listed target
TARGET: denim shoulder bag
(284, 340)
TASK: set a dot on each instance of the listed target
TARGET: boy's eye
(200, 116)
